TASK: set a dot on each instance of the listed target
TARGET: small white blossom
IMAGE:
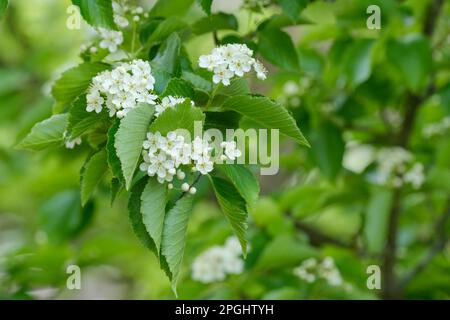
(215, 263)
(230, 150)
(110, 39)
(396, 166)
(310, 270)
(231, 60)
(70, 144)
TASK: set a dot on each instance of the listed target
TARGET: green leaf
(81, 121)
(244, 181)
(111, 152)
(165, 29)
(62, 217)
(328, 148)
(134, 210)
(116, 188)
(174, 237)
(285, 55)
(98, 13)
(91, 174)
(218, 21)
(75, 81)
(267, 113)
(197, 81)
(238, 86)
(233, 207)
(47, 133)
(182, 116)
(168, 8)
(129, 138)
(153, 209)
(166, 62)
(376, 221)
(206, 5)
(179, 88)
(284, 251)
(358, 61)
(3, 7)
(412, 57)
(292, 8)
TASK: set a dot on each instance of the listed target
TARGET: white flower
(215, 263)
(415, 176)
(311, 269)
(261, 71)
(110, 39)
(122, 89)
(70, 144)
(204, 165)
(94, 101)
(396, 167)
(222, 74)
(231, 60)
(231, 151)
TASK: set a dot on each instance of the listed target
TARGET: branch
(413, 102)
(438, 246)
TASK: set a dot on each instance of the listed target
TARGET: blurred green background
(349, 87)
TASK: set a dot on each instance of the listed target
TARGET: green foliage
(411, 56)
(91, 174)
(62, 217)
(243, 180)
(353, 91)
(267, 113)
(74, 82)
(98, 13)
(174, 237)
(80, 121)
(153, 209)
(285, 56)
(214, 22)
(328, 148)
(168, 8)
(129, 137)
(206, 5)
(47, 133)
(3, 7)
(233, 207)
(182, 116)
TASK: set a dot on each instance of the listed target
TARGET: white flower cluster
(110, 39)
(168, 102)
(121, 89)
(310, 270)
(396, 167)
(231, 60)
(437, 128)
(215, 263)
(163, 156)
(120, 12)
